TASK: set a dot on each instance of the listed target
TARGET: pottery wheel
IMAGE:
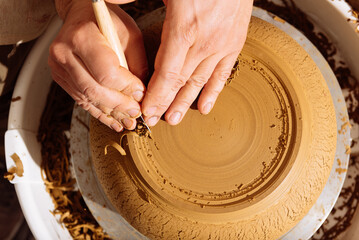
(252, 168)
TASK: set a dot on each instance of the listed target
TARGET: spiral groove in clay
(251, 169)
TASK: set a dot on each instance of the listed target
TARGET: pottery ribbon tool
(107, 28)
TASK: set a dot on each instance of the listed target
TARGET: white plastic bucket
(33, 86)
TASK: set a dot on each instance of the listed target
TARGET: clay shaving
(69, 205)
(278, 19)
(117, 147)
(140, 131)
(18, 169)
(355, 14)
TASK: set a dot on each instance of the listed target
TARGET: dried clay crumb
(347, 150)
(340, 170)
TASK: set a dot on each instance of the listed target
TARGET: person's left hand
(201, 40)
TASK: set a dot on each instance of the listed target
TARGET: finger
(95, 112)
(166, 80)
(216, 83)
(102, 117)
(97, 94)
(61, 77)
(128, 123)
(104, 66)
(102, 113)
(72, 89)
(188, 94)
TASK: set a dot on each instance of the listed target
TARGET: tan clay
(251, 169)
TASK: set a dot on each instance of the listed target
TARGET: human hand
(201, 40)
(84, 65)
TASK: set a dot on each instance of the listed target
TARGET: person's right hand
(85, 66)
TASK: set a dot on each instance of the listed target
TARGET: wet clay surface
(252, 168)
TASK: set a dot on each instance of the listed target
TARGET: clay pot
(252, 168)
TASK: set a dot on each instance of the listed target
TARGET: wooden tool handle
(105, 23)
(107, 28)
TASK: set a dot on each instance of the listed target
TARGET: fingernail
(116, 127)
(152, 121)
(151, 111)
(207, 108)
(175, 117)
(134, 113)
(138, 95)
(127, 122)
